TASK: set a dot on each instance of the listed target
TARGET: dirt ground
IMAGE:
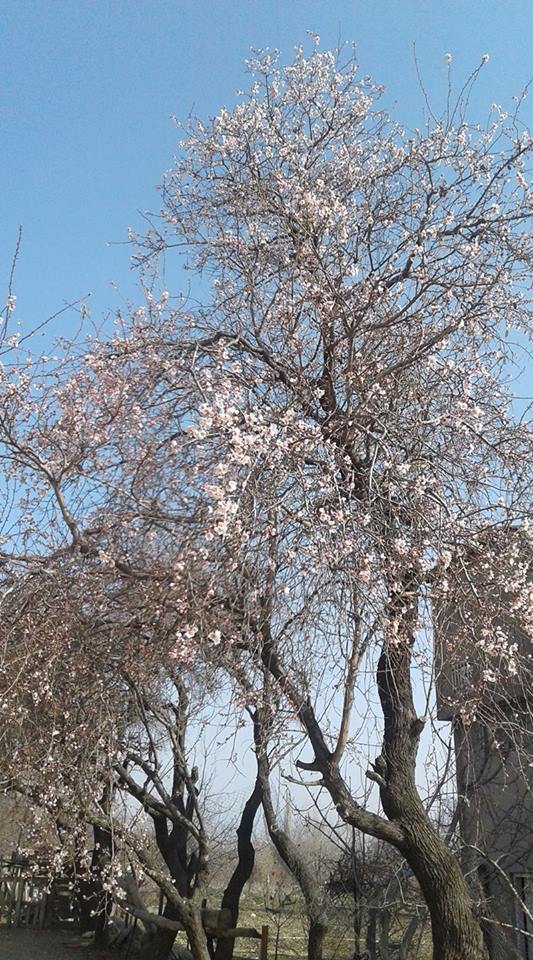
(46, 945)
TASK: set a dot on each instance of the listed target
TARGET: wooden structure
(23, 896)
(28, 898)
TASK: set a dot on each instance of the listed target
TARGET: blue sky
(87, 89)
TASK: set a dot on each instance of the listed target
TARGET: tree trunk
(94, 902)
(357, 926)
(160, 943)
(87, 897)
(457, 933)
(246, 858)
(101, 857)
(407, 938)
(456, 930)
(197, 938)
(159, 946)
(384, 925)
(315, 940)
(371, 933)
(358, 901)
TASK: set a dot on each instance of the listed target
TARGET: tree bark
(158, 946)
(246, 858)
(407, 938)
(358, 901)
(197, 937)
(315, 940)
(384, 925)
(456, 930)
(160, 943)
(187, 867)
(102, 856)
(371, 933)
(94, 902)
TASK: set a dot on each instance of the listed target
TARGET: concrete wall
(495, 785)
(491, 707)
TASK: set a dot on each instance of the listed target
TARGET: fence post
(263, 949)
(42, 909)
(21, 883)
(11, 896)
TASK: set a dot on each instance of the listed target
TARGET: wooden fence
(23, 896)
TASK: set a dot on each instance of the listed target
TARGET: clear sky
(87, 89)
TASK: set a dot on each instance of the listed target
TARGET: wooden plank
(263, 947)
(20, 893)
(12, 899)
(42, 911)
(7, 902)
(3, 896)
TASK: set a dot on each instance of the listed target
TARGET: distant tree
(95, 736)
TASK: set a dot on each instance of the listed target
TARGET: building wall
(495, 786)
(484, 685)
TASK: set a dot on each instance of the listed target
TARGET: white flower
(485, 58)
(448, 58)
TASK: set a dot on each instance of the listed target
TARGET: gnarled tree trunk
(457, 933)
(246, 858)
(456, 930)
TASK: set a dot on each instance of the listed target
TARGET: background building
(484, 688)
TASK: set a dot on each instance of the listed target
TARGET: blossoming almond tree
(96, 707)
(286, 472)
(371, 296)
